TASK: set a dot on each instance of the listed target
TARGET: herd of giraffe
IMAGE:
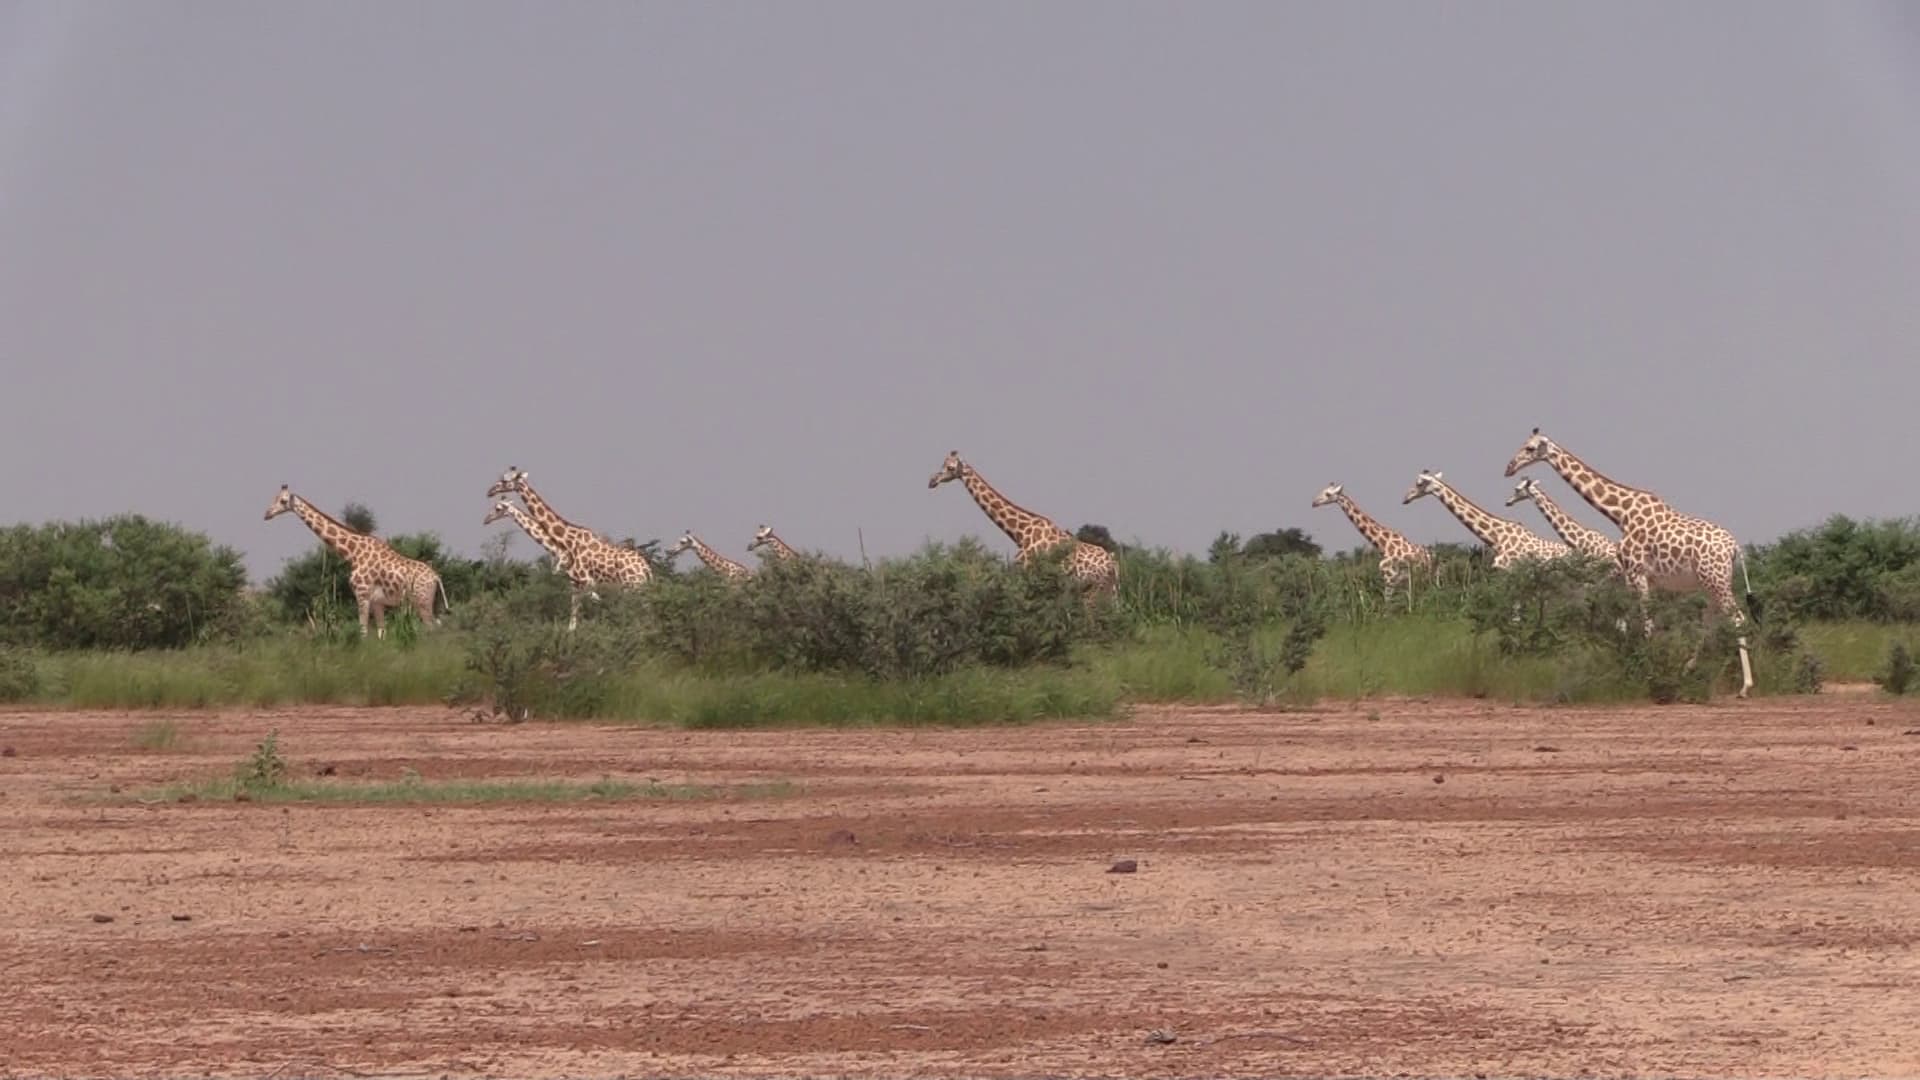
(383, 579)
(1658, 545)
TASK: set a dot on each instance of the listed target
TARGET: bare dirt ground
(1433, 889)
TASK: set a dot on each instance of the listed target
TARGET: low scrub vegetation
(952, 634)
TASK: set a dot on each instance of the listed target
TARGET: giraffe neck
(1376, 533)
(539, 534)
(780, 547)
(1570, 530)
(1024, 527)
(1618, 502)
(715, 560)
(558, 529)
(1491, 530)
(349, 545)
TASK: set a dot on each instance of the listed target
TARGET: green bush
(1899, 675)
(124, 582)
(1843, 569)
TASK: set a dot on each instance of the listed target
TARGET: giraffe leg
(573, 612)
(366, 606)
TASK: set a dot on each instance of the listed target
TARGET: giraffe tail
(1746, 580)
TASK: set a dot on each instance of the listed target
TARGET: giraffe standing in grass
(1658, 544)
(765, 538)
(1510, 541)
(1091, 564)
(716, 562)
(1590, 542)
(605, 562)
(1398, 555)
(381, 577)
(581, 581)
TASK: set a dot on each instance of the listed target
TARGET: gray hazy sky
(1168, 267)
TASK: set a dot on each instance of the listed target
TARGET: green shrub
(124, 582)
(1899, 675)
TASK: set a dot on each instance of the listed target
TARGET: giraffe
(718, 563)
(1658, 544)
(1510, 541)
(1398, 555)
(765, 537)
(1090, 564)
(581, 580)
(607, 563)
(1586, 541)
(380, 576)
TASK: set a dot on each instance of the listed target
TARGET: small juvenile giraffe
(581, 580)
(1398, 555)
(1510, 541)
(1658, 544)
(718, 563)
(765, 538)
(1030, 532)
(1586, 541)
(380, 576)
(607, 563)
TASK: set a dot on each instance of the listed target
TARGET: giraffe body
(1659, 546)
(1587, 541)
(1398, 555)
(727, 568)
(577, 576)
(1092, 565)
(766, 538)
(380, 577)
(602, 560)
(1509, 541)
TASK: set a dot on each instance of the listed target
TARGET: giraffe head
(761, 537)
(1524, 490)
(950, 469)
(680, 545)
(1429, 483)
(510, 481)
(1536, 448)
(281, 503)
(500, 510)
(1330, 493)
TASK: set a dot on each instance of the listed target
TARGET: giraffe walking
(1398, 555)
(1092, 565)
(765, 538)
(1510, 541)
(577, 576)
(380, 576)
(1658, 544)
(727, 569)
(602, 560)
(1590, 542)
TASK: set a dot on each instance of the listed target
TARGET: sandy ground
(1428, 889)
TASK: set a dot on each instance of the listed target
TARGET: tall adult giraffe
(1398, 555)
(606, 562)
(1658, 544)
(1587, 541)
(1510, 541)
(577, 576)
(380, 576)
(765, 537)
(1030, 532)
(716, 562)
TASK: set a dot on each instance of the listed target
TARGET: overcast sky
(1167, 267)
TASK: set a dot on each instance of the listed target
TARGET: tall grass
(1855, 650)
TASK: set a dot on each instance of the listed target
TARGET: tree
(1098, 536)
(1291, 541)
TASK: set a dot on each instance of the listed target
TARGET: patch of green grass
(1856, 651)
(458, 792)
(700, 701)
(157, 735)
(283, 671)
